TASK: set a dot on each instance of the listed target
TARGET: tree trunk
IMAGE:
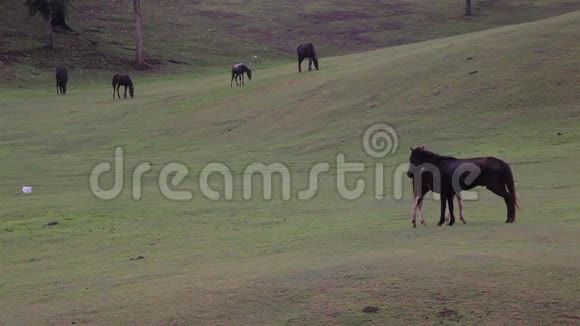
(49, 34)
(59, 20)
(468, 12)
(139, 60)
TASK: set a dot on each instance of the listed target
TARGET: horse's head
(419, 155)
(249, 72)
(132, 91)
(315, 61)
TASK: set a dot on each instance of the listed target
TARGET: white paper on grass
(27, 190)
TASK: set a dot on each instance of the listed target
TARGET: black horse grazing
(123, 80)
(307, 51)
(419, 192)
(238, 71)
(452, 175)
(61, 80)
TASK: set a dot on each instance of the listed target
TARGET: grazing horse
(61, 80)
(419, 192)
(123, 80)
(238, 71)
(456, 175)
(307, 51)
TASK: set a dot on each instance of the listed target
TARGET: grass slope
(295, 262)
(209, 33)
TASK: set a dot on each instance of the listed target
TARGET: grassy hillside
(511, 92)
(214, 33)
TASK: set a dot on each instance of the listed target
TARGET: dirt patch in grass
(446, 313)
(393, 26)
(484, 4)
(333, 16)
(370, 309)
(391, 7)
(215, 14)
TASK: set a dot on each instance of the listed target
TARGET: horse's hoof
(414, 226)
(439, 224)
(464, 222)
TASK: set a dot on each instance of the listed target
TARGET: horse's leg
(499, 189)
(118, 93)
(452, 216)
(460, 204)
(243, 79)
(414, 212)
(232, 81)
(309, 64)
(443, 208)
(447, 215)
(300, 59)
(424, 191)
(57, 88)
(421, 211)
(113, 90)
(125, 95)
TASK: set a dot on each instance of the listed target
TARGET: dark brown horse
(61, 75)
(307, 51)
(238, 71)
(123, 80)
(419, 192)
(452, 175)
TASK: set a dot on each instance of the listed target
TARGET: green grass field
(295, 262)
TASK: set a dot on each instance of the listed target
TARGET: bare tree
(45, 9)
(58, 19)
(468, 12)
(139, 58)
(49, 33)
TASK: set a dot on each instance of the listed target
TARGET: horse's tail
(510, 182)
